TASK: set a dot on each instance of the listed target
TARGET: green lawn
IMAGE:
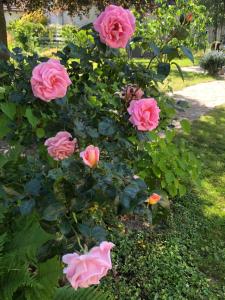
(186, 259)
(175, 81)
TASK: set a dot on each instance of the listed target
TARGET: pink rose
(144, 114)
(131, 92)
(87, 269)
(61, 146)
(115, 26)
(50, 80)
(90, 156)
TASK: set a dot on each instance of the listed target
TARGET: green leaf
(163, 69)
(186, 125)
(4, 128)
(106, 127)
(187, 53)
(154, 48)
(40, 133)
(31, 117)
(53, 212)
(9, 109)
(92, 293)
(179, 70)
(33, 187)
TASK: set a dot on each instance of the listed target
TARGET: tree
(216, 10)
(72, 6)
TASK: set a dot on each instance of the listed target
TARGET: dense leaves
(67, 201)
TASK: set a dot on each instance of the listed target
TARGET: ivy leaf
(9, 109)
(187, 53)
(31, 117)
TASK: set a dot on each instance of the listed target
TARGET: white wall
(60, 19)
(64, 18)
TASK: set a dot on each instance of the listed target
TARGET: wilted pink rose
(50, 80)
(90, 156)
(115, 26)
(131, 92)
(87, 269)
(144, 114)
(61, 146)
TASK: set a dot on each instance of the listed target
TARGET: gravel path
(200, 98)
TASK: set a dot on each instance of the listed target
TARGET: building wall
(63, 18)
(59, 19)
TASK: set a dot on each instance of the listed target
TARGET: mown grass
(175, 82)
(187, 259)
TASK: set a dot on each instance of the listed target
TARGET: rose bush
(83, 153)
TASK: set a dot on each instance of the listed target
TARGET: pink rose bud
(61, 146)
(87, 269)
(115, 25)
(50, 80)
(144, 114)
(90, 156)
(131, 92)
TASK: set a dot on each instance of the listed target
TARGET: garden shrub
(53, 113)
(26, 34)
(213, 61)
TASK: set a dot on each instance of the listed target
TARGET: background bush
(213, 61)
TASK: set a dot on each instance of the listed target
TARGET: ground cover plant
(90, 141)
(185, 260)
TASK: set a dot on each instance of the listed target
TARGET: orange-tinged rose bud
(153, 199)
(189, 17)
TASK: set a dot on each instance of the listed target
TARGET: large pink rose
(144, 114)
(50, 80)
(87, 269)
(115, 26)
(61, 146)
(90, 156)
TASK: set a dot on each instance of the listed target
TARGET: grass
(175, 81)
(186, 260)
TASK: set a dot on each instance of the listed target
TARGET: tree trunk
(3, 32)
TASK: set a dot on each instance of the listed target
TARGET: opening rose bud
(61, 146)
(153, 199)
(131, 92)
(87, 269)
(90, 156)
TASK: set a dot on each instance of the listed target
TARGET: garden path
(193, 69)
(200, 98)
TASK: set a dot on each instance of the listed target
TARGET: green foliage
(213, 61)
(166, 25)
(26, 33)
(22, 277)
(59, 206)
(67, 293)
